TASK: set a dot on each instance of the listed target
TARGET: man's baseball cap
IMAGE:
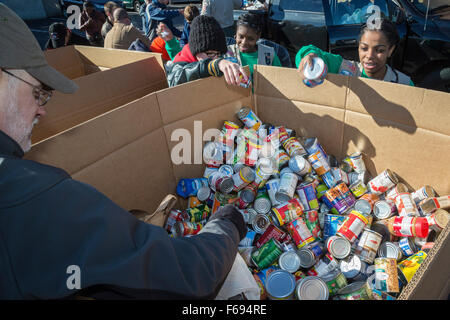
(19, 49)
(57, 31)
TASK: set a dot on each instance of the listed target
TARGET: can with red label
(243, 178)
(352, 226)
(272, 232)
(370, 198)
(174, 216)
(383, 182)
(185, 228)
(293, 147)
(406, 205)
(246, 197)
(408, 226)
(287, 212)
(395, 191)
(299, 232)
(312, 222)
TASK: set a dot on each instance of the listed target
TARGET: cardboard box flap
(67, 61)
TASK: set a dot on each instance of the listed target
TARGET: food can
(319, 162)
(355, 291)
(262, 203)
(221, 183)
(345, 194)
(358, 162)
(353, 268)
(261, 279)
(281, 158)
(193, 202)
(246, 197)
(383, 182)
(265, 167)
(307, 194)
(283, 134)
(286, 190)
(271, 232)
(396, 190)
(248, 240)
(203, 194)
(371, 198)
(208, 171)
(289, 261)
(300, 165)
(173, 217)
(185, 228)
(368, 245)
(249, 214)
(410, 227)
(311, 288)
(245, 176)
(390, 250)
(272, 187)
(335, 281)
(408, 267)
(340, 175)
(338, 247)
(355, 176)
(287, 212)
(307, 258)
(249, 118)
(320, 191)
(358, 188)
(267, 254)
(386, 275)
(336, 199)
(406, 206)
(299, 232)
(213, 153)
(352, 226)
(198, 214)
(316, 74)
(312, 222)
(260, 223)
(438, 220)
(407, 246)
(329, 179)
(363, 206)
(331, 224)
(423, 193)
(382, 210)
(293, 147)
(280, 285)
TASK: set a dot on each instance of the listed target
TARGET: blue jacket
(49, 222)
(158, 12)
(185, 34)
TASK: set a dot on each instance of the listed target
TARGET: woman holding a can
(375, 46)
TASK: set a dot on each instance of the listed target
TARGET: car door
(296, 23)
(344, 19)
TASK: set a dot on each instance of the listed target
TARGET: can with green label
(267, 254)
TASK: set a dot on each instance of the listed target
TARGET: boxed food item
(137, 153)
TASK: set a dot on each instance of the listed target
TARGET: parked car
(133, 4)
(334, 25)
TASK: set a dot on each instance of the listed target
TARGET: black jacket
(49, 222)
(182, 72)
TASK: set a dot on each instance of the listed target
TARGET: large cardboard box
(126, 153)
(107, 78)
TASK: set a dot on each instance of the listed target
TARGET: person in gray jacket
(53, 227)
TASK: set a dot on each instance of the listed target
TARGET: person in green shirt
(246, 51)
(375, 46)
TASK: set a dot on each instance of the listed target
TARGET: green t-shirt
(333, 61)
(250, 59)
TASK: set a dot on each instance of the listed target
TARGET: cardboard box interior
(395, 126)
(107, 79)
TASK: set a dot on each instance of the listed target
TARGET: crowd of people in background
(213, 44)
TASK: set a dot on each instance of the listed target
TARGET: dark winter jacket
(50, 223)
(158, 12)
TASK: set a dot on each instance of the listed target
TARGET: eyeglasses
(212, 54)
(42, 96)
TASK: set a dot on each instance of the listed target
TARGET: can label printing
(294, 147)
(261, 278)
(329, 179)
(353, 226)
(319, 162)
(331, 224)
(281, 158)
(383, 182)
(249, 118)
(174, 216)
(340, 175)
(358, 188)
(288, 183)
(267, 254)
(272, 189)
(312, 222)
(371, 198)
(423, 193)
(406, 205)
(248, 239)
(410, 265)
(368, 245)
(337, 282)
(307, 195)
(358, 162)
(405, 245)
(386, 275)
(271, 232)
(288, 211)
(184, 228)
(199, 213)
(299, 232)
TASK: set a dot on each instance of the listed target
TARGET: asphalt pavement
(40, 27)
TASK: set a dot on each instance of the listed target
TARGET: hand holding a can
(233, 72)
(164, 32)
(306, 62)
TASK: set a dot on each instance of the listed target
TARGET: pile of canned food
(318, 228)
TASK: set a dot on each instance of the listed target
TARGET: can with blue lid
(316, 73)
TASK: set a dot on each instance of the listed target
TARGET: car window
(355, 11)
(302, 5)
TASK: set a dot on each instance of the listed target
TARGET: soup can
(390, 250)
(289, 261)
(386, 275)
(185, 228)
(287, 212)
(307, 258)
(408, 267)
(260, 223)
(249, 118)
(406, 205)
(213, 153)
(363, 206)
(355, 291)
(280, 285)
(272, 232)
(261, 279)
(281, 158)
(312, 288)
(370, 198)
(246, 197)
(352, 226)
(315, 74)
(299, 232)
(300, 165)
(358, 188)
(358, 162)
(243, 178)
(272, 187)
(382, 210)
(266, 255)
(312, 222)
(331, 224)
(383, 182)
(307, 194)
(286, 190)
(396, 190)
(338, 247)
(262, 203)
(423, 193)
(368, 245)
(293, 147)
(335, 281)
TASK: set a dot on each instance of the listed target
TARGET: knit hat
(206, 34)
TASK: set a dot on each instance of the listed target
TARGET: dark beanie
(206, 34)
